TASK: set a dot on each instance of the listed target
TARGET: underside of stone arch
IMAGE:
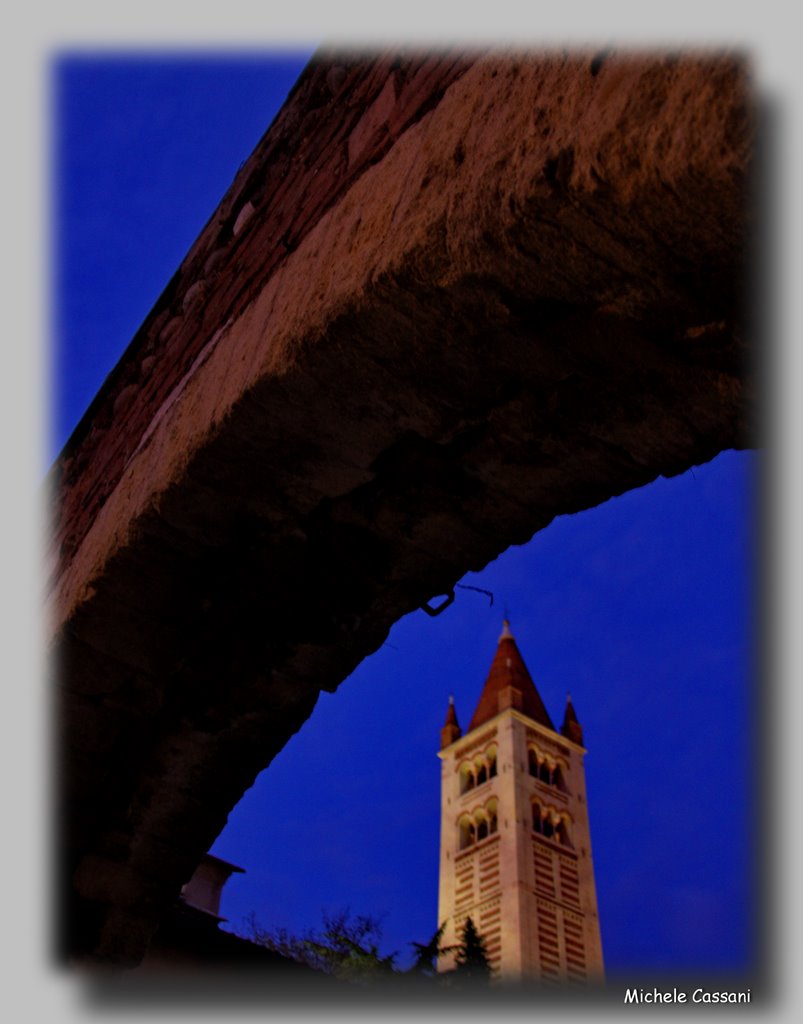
(448, 298)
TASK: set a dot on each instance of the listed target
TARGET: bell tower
(515, 851)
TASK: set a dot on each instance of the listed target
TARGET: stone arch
(535, 335)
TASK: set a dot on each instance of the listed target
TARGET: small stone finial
(506, 634)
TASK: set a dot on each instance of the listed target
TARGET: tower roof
(451, 714)
(509, 673)
(451, 728)
(571, 727)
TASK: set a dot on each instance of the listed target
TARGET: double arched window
(545, 769)
(479, 770)
(552, 824)
(481, 823)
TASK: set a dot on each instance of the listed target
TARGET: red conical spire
(509, 684)
(571, 728)
(451, 729)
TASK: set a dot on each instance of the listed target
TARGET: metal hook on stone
(425, 607)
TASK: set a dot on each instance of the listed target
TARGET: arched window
(544, 773)
(557, 778)
(563, 835)
(533, 761)
(538, 824)
(491, 766)
(466, 778)
(547, 828)
(482, 829)
(482, 774)
(466, 832)
(490, 810)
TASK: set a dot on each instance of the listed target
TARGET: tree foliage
(427, 953)
(348, 948)
(471, 961)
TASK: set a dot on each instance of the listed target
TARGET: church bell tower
(515, 846)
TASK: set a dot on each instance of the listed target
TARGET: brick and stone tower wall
(515, 843)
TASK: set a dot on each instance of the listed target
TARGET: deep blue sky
(144, 149)
(640, 607)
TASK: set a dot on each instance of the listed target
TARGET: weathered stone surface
(444, 301)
